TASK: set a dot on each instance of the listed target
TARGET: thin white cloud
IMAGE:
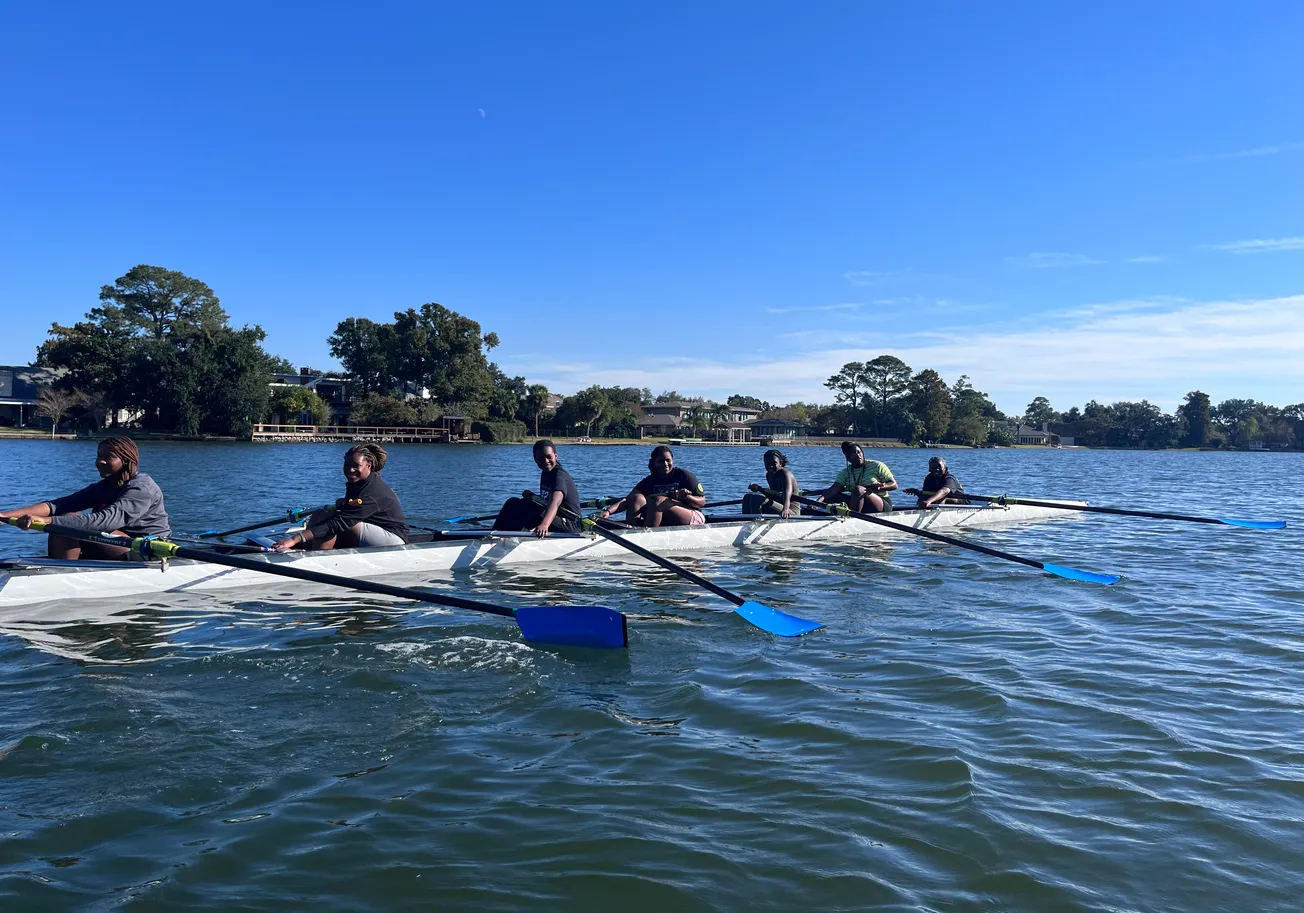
(845, 306)
(1261, 245)
(1050, 261)
(870, 277)
(1156, 349)
(1257, 152)
(1150, 259)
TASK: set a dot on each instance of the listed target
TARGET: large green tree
(931, 403)
(1198, 415)
(887, 382)
(159, 344)
(1039, 412)
(367, 350)
(848, 385)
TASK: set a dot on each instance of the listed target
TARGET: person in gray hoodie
(124, 502)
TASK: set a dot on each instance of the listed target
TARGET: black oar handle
(287, 517)
(644, 553)
(927, 534)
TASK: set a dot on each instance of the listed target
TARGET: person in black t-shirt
(778, 478)
(940, 487)
(670, 496)
(555, 486)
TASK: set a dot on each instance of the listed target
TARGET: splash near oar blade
(774, 621)
(573, 626)
(1256, 524)
(1072, 573)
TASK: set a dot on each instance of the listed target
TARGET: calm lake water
(965, 734)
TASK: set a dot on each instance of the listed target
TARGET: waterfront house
(774, 430)
(20, 390)
(1043, 438)
(330, 387)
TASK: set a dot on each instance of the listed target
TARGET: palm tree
(697, 418)
(720, 414)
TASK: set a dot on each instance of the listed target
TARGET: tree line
(160, 347)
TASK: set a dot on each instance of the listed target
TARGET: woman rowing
(368, 515)
(670, 496)
(124, 502)
(778, 479)
(940, 487)
(558, 490)
(862, 485)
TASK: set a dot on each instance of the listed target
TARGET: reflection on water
(964, 733)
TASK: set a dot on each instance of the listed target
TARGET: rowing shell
(29, 581)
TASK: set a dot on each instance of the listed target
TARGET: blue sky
(1079, 201)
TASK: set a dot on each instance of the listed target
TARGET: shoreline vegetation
(158, 359)
(22, 434)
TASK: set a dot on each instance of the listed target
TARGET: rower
(124, 502)
(558, 491)
(778, 478)
(368, 515)
(940, 487)
(862, 485)
(670, 496)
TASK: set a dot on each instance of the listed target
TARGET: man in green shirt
(863, 485)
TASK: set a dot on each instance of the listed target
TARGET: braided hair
(124, 448)
(777, 454)
(374, 454)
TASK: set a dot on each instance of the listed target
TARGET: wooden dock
(374, 434)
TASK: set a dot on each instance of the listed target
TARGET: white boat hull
(100, 581)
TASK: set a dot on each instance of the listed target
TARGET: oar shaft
(650, 556)
(287, 517)
(1087, 508)
(927, 534)
(603, 502)
(165, 549)
(754, 613)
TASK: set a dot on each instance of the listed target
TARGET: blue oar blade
(1072, 573)
(774, 621)
(1256, 524)
(573, 626)
(456, 519)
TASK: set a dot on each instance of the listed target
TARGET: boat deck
(28, 581)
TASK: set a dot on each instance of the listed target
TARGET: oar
(1059, 505)
(764, 617)
(293, 516)
(603, 502)
(471, 519)
(564, 626)
(1056, 569)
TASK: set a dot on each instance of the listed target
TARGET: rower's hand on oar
(541, 530)
(753, 487)
(912, 491)
(286, 544)
(24, 521)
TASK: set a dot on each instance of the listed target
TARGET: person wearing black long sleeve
(368, 515)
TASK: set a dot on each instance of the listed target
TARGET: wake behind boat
(32, 581)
